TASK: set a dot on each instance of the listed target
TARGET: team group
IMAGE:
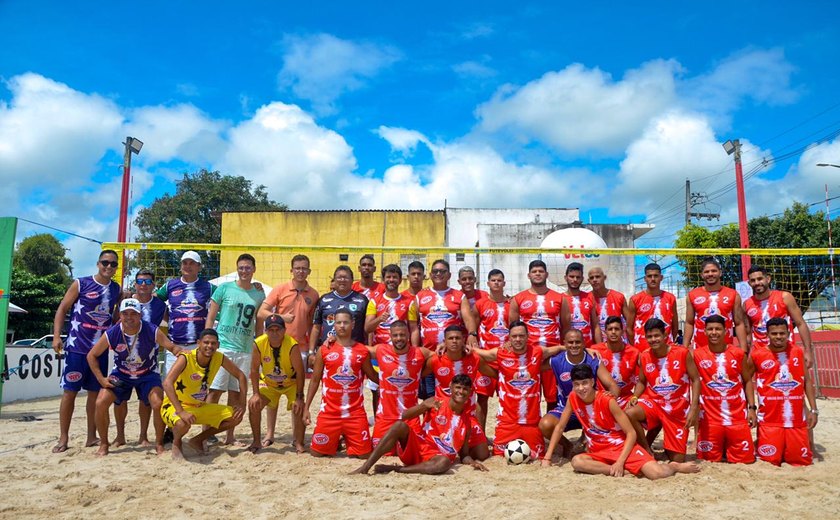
(432, 357)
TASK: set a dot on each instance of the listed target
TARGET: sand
(133, 482)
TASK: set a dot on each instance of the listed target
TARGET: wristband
(815, 411)
(752, 407)
(474, 334)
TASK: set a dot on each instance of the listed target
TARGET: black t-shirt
(355, 302)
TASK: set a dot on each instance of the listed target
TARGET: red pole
(126, 182)
(742, 210)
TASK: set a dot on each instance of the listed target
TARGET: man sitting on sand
(185, 388)
(443, 438)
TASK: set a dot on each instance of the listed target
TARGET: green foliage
(192, 214)
(40, 296)
(806, 277)
(44, 255)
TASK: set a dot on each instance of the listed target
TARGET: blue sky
(604, 107)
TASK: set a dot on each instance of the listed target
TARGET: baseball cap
(191, 255)
(130, 304)
(275, 319)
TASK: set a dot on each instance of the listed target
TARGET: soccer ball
(517, 451)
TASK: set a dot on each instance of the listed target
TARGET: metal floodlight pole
(734, 148)
(132, 145)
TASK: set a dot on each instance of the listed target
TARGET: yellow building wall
(421, 229)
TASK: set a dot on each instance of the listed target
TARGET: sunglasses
(108, 263)
(439, 271)
(144, 281)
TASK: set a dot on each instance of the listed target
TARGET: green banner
(8, 228)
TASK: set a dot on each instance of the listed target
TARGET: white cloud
(579, 109)
(474, 69)
(321, 67)
(181, 131)
(401, 139)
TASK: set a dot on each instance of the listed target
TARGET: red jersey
(341, 384)
(519, 386)
(610, 305)
(541, 315)
(759, 311)
(438, 310)
(399, 308)
(780, 383)
(623, 367)
(477, 296)
(444, 430)
(663, 307)
(444, 369)
(377, 289)
(494, 316)
(668, 384)
(580, 314)
(706, 304)
(722, 399)
(599, 424)
(399, 380)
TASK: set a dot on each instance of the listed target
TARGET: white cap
(130, 304)
(191, 255)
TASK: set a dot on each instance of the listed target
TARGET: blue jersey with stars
(188, 303)
(92, 314)
(153, 310)
(134, 355)
(562, 368)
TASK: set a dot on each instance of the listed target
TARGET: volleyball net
(808, 274)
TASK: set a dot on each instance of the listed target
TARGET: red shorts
(638, 457)
(354, 429)
(549, 385)
(415, 451)
(530, 434)
(382, 425)
(477, 436)
(485, 385)
(673, 424)
(714, 438)
(777, 444)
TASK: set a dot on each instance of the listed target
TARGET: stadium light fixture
(135, 144)
(729, 147)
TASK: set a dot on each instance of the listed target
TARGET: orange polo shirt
(286, 299)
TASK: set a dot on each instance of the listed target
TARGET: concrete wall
(328, 228)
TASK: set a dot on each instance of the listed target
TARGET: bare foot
(235, 443)
(103, 449)
(685, 467)
(61, 447)
(254, 447)
(198, 446)
(144, 442)
(119, 441)
(299, 448)
(266, 442)
(160, 449)
(92, 442)
(385, 468)
(177, 454)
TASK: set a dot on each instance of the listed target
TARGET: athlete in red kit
(652, 302)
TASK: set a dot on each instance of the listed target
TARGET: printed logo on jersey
(387, 359)
(522, 380)
(73, 377)
(440, 419)
(121, 347)
(266, 359)
(332, 356)
(482, 381)
(566, 376)
(721, 383)
(92, 295)
(706, 363)
(650, 367)
(526, 305)
(100, 314)
(645, 307)
(700, 300)
(344, 376)
(444, 444)
(705, 446)
(177, 292)
(443, 371)
(767, 364)
(509, 363)
(320, 438)
(665, 385)
(439, 316)
(784, 383)
(489, 313)
(399, 378)
(766, 450)
(189, 306)
(196, 377)
(752, 312)
(425, 299)
(353, 307)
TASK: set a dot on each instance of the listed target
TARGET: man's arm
(230, 366)
(420, 408)
(486, 369)
(607, 381)
(595, 320)
(549, 352)
(688, 328)
(367, 368)
(556, 434)
(300, 379)
(314, 383)
(469, 323)
(565, 316)
(740, 328)
(513, 314)
(639, 389)
(414, 333)
(811, 395)
(254, 374)
(212, 311)
(100, 347)
(747, 373)
(694, 376)
(67, 302)
(164, 341)
(675, 321)
(799, 321)
(630, 320)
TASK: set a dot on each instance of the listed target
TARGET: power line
(61, 230)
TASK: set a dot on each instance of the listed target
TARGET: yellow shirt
(282, 376)
(194, 382)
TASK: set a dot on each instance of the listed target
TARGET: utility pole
(695, 199)
(734, 148)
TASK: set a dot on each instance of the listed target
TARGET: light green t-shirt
(237, 316)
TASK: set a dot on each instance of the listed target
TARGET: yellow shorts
(210, 414)
(273, 395)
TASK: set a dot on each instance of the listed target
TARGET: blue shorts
(574, 424)
(144, 384)
(78, 375)
(427, 387)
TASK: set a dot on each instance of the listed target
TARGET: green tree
(39, 296)
(192, 214)
(43, 255)
(804, 276)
